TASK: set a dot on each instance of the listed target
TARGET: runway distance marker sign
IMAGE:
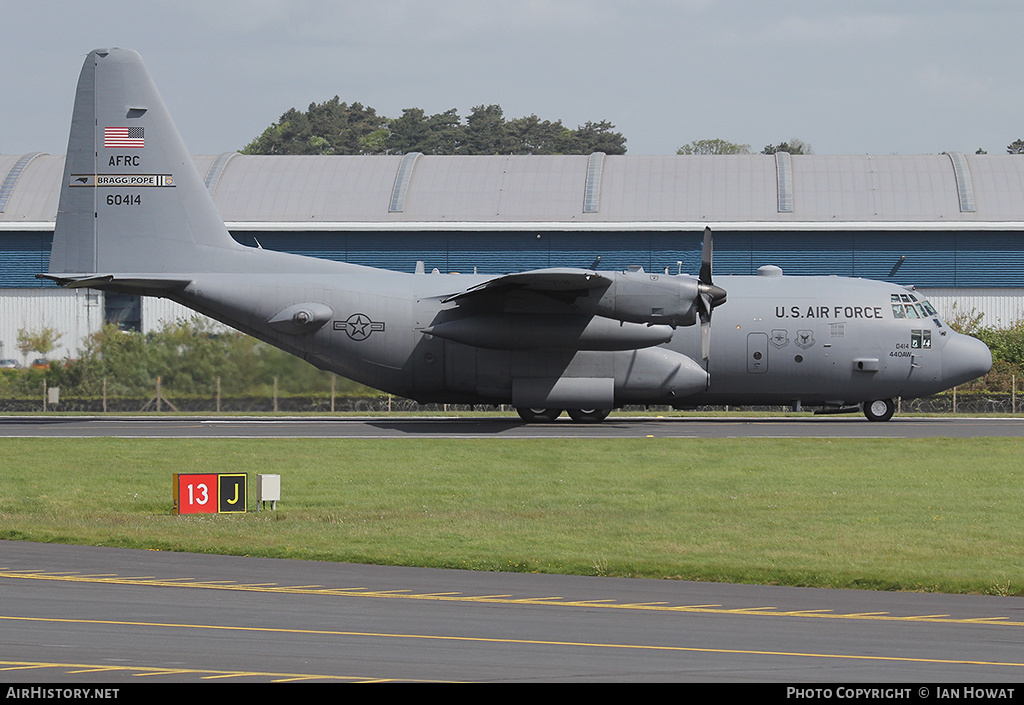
(210, 493)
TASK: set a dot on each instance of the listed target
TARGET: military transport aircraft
(135, 217)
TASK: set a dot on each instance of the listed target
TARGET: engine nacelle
(641, 297)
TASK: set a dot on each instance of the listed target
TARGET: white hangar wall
(999, 307)
(74, 314)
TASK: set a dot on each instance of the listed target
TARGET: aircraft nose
(963, 359)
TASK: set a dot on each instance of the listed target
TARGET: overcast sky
(855, 77)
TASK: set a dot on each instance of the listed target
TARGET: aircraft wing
(556, 281)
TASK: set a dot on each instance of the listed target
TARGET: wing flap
(554, 281)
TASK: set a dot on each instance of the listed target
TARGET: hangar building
(950, 224)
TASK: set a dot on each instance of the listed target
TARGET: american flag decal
(124, 137)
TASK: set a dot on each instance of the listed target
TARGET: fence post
(275, 393)
(218, 394)
(104, 395)
(159, 398)
(954, 400)
(334, 380)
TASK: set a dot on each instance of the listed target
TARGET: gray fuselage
(777, 340)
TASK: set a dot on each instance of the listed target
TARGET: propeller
(708, 295)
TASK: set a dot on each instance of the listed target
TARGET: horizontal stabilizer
(120, 281)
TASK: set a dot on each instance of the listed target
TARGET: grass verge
(933, 515)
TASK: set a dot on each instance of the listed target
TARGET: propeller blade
(708, 295)
(706, 305)
(705, 258)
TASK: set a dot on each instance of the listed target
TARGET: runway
(104, 615)
(502, 427)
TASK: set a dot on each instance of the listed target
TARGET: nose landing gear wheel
(589, 415)
(538, 415)
(879, 409)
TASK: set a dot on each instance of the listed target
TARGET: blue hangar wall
(924, 259)
(988, 259)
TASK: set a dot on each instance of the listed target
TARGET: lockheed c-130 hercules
(135, 217)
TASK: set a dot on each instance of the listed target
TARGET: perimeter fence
(946, 403)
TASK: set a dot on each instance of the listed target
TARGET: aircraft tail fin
(131, 199)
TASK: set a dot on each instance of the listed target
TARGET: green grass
(934, 515)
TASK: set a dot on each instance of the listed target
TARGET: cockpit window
(907, 306)
(897, 306)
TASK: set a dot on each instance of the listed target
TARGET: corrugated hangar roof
(595, 191)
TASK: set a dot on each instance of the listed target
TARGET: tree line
(793, 146)
(336, 127)
(1006, 343)
(189, 357)
(719, 146)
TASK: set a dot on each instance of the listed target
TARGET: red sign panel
(195, 493)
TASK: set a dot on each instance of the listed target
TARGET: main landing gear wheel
(538, 415)
(879, 409)
(589, 415)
